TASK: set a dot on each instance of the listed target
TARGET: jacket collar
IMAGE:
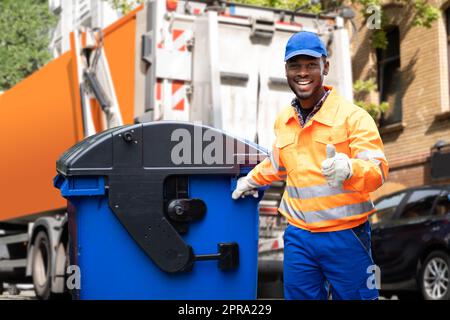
(327, 112)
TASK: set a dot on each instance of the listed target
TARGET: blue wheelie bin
(151, 214)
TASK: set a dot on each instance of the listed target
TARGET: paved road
(29, 295)
(24, 295)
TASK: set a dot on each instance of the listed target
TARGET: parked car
(411, 241)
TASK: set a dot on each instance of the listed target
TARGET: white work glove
(244, 188)
(336, 168)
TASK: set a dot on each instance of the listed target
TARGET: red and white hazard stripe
(178, 95)
(159, 83)
(271, 245)
(171, 95)
(179, 99)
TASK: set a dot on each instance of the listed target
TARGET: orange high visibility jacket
(297, 154)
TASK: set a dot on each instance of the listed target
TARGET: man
(330, 153)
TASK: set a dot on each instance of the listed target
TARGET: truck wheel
(41, 266)
(434, 276)
(13, 290)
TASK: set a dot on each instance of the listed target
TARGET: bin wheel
(41, 266)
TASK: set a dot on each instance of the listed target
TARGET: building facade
(412, 74)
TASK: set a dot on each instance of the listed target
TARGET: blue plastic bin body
(113, 266)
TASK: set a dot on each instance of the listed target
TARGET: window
(420, 204)
(386, 208)
(442, 206)
(389, 77)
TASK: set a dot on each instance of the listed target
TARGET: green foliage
(283, 4)
(379, 39)
(25, 31)
(124, 6)
(366, 4)
(425, 14)
(364, 87)
(375, 110)
(361, 88)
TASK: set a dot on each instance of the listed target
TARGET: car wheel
(41, 266)
(434, 276)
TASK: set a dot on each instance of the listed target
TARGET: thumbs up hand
(336, 167)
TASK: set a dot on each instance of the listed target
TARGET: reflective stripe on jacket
(297, 154)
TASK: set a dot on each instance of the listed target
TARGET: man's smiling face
(305, 75)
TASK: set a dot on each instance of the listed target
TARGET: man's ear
(285, 69)
(326, 67)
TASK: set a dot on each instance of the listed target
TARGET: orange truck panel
(120, 46)
(41, 117)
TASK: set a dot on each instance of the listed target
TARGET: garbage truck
(207, 62)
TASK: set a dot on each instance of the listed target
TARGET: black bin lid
(165, 146)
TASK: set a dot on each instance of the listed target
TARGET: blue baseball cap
(306, 43)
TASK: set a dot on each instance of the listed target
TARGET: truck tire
(13, 290)
(41, 266)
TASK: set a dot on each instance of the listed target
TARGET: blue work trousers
(341, 261)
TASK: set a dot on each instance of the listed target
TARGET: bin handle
(228, 256)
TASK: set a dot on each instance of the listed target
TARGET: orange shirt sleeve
(369, 164)
(270, 169)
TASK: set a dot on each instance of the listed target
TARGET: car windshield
(386, 208)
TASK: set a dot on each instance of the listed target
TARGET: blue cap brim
(305, 52)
